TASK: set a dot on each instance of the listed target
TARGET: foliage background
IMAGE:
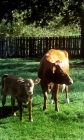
(53, 28)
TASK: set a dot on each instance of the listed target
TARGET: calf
(19, 89)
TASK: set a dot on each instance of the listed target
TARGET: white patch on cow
(32, 85)
(63, 87)
(47, 54)
(29, 86)
(31, 90)
(67, 100)
(31, 81)
(51, 101)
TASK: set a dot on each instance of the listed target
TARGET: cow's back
(51, 57)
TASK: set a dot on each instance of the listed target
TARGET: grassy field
(67, 124)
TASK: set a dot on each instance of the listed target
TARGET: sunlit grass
(67, 124)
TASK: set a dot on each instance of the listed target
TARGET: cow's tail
(2, 80)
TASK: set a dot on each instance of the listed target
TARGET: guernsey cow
(19, 89)
(53, 70)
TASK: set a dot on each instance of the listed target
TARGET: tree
(42, 11)
(82, 29)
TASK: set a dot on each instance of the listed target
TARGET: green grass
(67, 124)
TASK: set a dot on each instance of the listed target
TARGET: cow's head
(59, 74)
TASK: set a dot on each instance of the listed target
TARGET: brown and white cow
(53, 69)
(19, 89)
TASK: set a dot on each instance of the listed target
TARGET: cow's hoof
(14, 114)
(67, 100)
(31, 120)
(51, 101)
(22, 119)
(44, 108)
(57, 109)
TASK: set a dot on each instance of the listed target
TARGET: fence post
(30, 47)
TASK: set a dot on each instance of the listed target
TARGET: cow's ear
(36, 81)
(54, 69)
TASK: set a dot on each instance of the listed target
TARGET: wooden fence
(37, 47)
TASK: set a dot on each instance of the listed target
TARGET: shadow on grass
(24, 67)
(77, 65)
(7, 111)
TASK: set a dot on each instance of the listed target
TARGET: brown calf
(19, 89)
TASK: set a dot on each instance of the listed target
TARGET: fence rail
(36, 47)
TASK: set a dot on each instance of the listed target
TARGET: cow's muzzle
(70, 81)
(30, 93)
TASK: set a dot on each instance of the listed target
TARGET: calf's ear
(36, 81)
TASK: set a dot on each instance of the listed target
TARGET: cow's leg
(44, 87)
(20, 109)
(3, 103)
(30, 110)
(13, 105)
(56, 90)
(45, 101)
(66, 90)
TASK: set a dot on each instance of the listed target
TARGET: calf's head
(29, 85)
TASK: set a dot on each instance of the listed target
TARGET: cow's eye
(26, 86)
(61, 71)
(62, 74)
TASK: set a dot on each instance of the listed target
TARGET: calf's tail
(2, 80)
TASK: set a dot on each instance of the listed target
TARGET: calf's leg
(20, 109)
(30, 110)
(3, 103)
(13, 105)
